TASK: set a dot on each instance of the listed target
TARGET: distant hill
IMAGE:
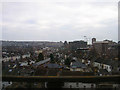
(32, 43)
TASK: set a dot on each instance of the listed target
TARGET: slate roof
(103, 71)
(52, 65)
(41, 62)
(78, 64)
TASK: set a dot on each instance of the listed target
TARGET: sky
(59, 20)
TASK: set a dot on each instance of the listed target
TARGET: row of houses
(15, 57)
(105, 64)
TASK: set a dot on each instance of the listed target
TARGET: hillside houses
(105, 64)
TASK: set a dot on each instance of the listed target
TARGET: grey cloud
(59, 21)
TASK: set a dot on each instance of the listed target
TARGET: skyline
(59, 21)
(88, 41)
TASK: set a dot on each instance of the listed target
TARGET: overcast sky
(59, 20)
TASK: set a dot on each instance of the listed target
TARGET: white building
(102, 66)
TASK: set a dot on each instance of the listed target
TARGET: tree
(67, 62)
(52, 58)
(40, 57)
(92, 54)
